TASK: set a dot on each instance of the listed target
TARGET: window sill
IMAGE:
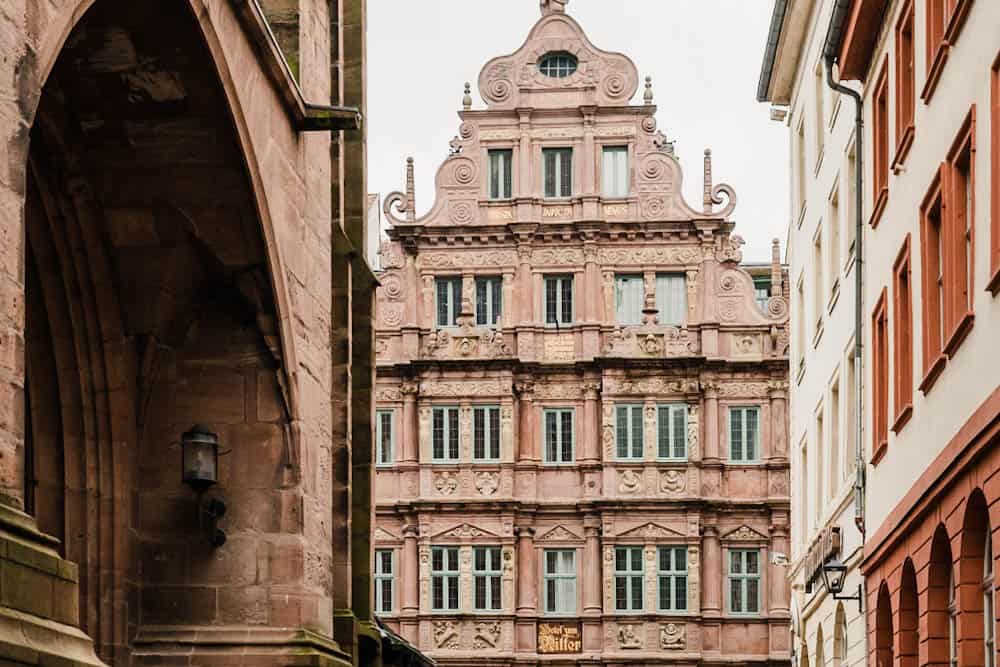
(993, 286)
(801, 372)
(880, 452)
(802, 215)
(566, 464)
(835, 114)
(849, 262)
(818, 336)
(903, 148)
(879, 208)
(959, 334)
(834, 297)
(819, 159)
(932, 374)
(902, 417)
(934, 72)
(957, 21)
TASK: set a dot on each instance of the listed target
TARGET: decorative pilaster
(779, 583)
(410, 591)
(409, 432)
(526, 448)
(777, 391)
(591, 428)
(527, 593)
(712, 577)
(712, 444)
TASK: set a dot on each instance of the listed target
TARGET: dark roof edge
(835, 31)
(771, 49)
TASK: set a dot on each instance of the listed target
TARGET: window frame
(492, 306)
(906, 81)
(450, 579)
(744, 460)
(454, 305)
(960, 234)
(380, 414)
(490, 575)
(663, 300)
(560, 294)
(561, 71)
(902, 335)
(505, 177)
(563, 154)
(670, 577)
(451, 455)
(548, 576)
(632, 577)
(994, 282)
(560, 436)
(622, 279)
(488, 435)
(932, 251)
(880, 377)
(631, 442)
(384, 579)
(671, 407)
(744, 578)
(621, 182)
(880, 143)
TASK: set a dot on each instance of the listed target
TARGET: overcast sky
(704, 57)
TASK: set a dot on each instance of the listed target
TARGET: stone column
(525, 181)
(409, 430)
(591, 425)
(526, 447)
(777, 448)
(506, 316)
(410, 602)
(526, 300)
(527, 591)
(712, 575)
(711, 417)
(589, 157)
(590, 566)
(779, 583)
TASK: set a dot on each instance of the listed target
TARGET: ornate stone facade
(501, 393)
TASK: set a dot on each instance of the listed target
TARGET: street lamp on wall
(200, 471)
(834, 575)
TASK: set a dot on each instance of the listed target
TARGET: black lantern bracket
(200, 471)
(834, 574)
(214, 510)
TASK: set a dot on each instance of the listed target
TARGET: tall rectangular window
(761, 290)
(959, 208)
(557, 171)
(489, 301)
(449, 301)
(384, 437)
(629, 586)
(833, 224)
(835, 444)
(820, 98)
(671, 579)
(799, 146)
(629, 296)
(851, 192)
(932, 274)
(383, 581)
(880, 143)
(902, 334)
(880, 378)
(486, 433)
(444, 578)
(501, 161)
(558, 435)
(628, 431)
(820, 449)
(486, 578)
(671, 431)
(671, 298)
(615, 172)
(559, 300)
(819, 281)
(444, 433)
(744, 434)
(995, 166)
(560, 581)
(905, 80)
(744, 581)
(850, 407)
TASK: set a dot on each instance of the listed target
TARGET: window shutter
(566, 175)
(736, 435)
(567, 300)
(551, 286)
(453, 432)
(622, 432)
(497, 300)
(679, 431)
(550, 173)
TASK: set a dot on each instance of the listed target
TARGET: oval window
(558, 64)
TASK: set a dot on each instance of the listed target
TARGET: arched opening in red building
(908, 646)
(976, 629)
(942, 609)
(883, 628)
(149, 308)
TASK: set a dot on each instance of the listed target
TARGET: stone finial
(707, 197)
(553, 6)
(647, 97)
(775, 267)
(467, 98)
(411, 197)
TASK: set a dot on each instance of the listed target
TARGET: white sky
(704, 57)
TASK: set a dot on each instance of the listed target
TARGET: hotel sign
(559, 638)
(826, 545)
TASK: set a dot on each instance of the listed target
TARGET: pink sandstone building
(581, 420)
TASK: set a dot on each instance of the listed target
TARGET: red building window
(880, 378)
(995, 187)
(945, 19)
(960, 202)
(902, 335)
(905, 83)
(880, 143)
(932, 294)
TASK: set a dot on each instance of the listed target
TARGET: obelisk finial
(647, 97)
(776, 268)
(411, 196)
(707, 198)
(467, 97)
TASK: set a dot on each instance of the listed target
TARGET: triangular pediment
(559, 534)
(465, 531)
(744, 534)
(651, 530)
(383, 535)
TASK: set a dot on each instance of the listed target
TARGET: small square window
(444, 578)
(486, 433)
(629, 587)
(628, 432)
(560, 581)
(629, 297)
(671, 431)
(489, 301)
(671, 298)
(744, 581)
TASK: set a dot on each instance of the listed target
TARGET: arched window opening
(942, 613)
(989, 614)
(908, 645)
(839, 637)
(820, 653)
(883, 629)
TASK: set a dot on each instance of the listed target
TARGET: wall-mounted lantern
(200, 471)
(834, 576)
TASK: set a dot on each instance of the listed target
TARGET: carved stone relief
(629, 635)
(673, 482)
(630, 482)
(467, 260)
(693, 432)
(448, 389)
(446, 635)
(487, 635)
(648, 386)
(487, 483)
(673, 636)
(631, 255)
(446, 483)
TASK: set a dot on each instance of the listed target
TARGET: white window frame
(488, 575)
(449, 577)
(504, 169)
(448, 456)
(561, 581)
(454, 301)
(674, 577)
(615, 177)
(630, 579)
(669, 409)
(492, 306)
(560, 280)
(761, 294)
(663, 298)
(628, 281)
(634, 443)
(743, 578)
(383, 418)
(743, 410)
(488, 433)
(383, 580)
(561, 153)
(561, 436)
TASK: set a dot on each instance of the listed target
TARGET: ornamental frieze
(557, 256)
(651, 341)
(649, 386)
(743, 389)
(650, 255)
(454, 389)
(565, 391)
(472, 260)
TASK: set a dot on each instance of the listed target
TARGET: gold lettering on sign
(560, 347)
(615, 210)
(559, 638)
(500, 214)
(557, 212)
